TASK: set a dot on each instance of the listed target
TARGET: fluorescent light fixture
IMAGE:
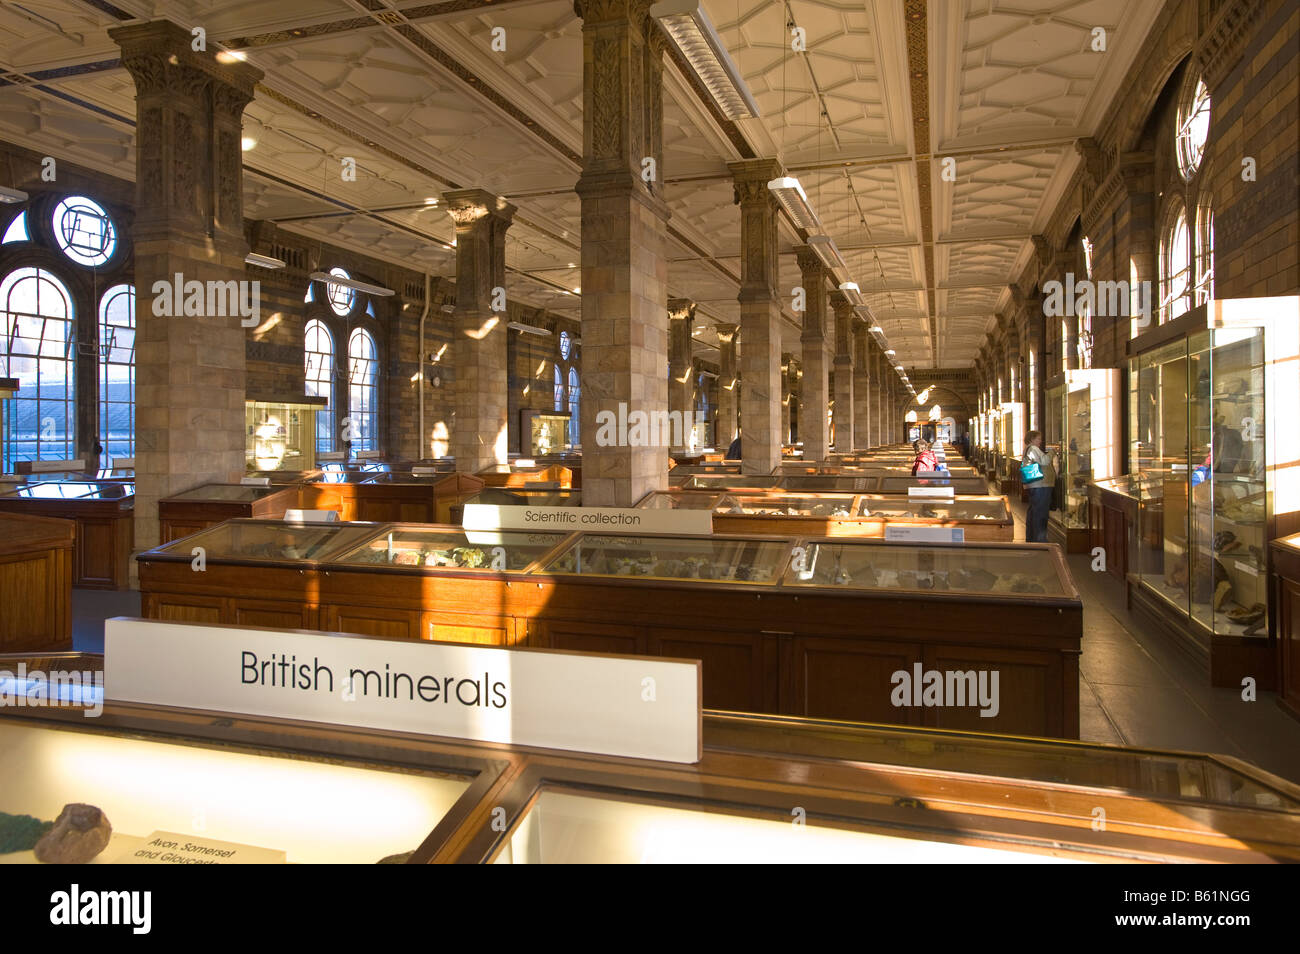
(265, 261)
(12, 196)
(864, 312)
(369, 289)
(825, 248)
(708, 374)
(898, 367)
(794, 200)
(688, 25)
(527, 329)
(889, 352)
(851, 291)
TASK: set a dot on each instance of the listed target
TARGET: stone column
(189, 222)
(681, 370)
(624, 267)
(1138, 224)
(760, 315)
(861, 387)
(845, 404)
(479, 433)
(724, 430)
(813, 429)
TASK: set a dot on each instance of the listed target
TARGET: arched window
(318, 348)
(363, 390)
(341, 297)
(1193, 129)
(117, 371)
(1204, 253)
(84, 231)
(17, 231)
(559, 389)
(1175, 269)
(575, 397)
(36, 316)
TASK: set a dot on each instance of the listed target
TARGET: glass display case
(1082, 425)
(1215, 474)
(963, 486)
(746, 561)
(265, 541)
(545, 432)
(936, 568)
(412, 546)
(288, 792)
(280, 435)
(104, 514)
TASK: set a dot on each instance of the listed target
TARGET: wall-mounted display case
(545, 432)
(871, 793)
(1082, 423)
(103, 513)
(1216, 482)
(772, 638)
(281, 435)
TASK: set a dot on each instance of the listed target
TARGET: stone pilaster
(760, 315)
(861, 387)
(189, 221)
(724, 430)
(681, 370)
(624, 266)
(813, 429)
(479, 433)
(788, 400)
(845, 405)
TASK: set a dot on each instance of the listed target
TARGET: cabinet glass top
(72, 490)
(451, 548)
(233, 493)
(991, 571)
(720, 559)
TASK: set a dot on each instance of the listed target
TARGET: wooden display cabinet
(553, 476)
(36, 570)
(1285, 556)
(784, 625)
(103, 513)
(870, 793)
(208, 504)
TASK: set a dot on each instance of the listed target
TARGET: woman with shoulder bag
(1038, 475)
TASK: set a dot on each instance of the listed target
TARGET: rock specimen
(79, 834)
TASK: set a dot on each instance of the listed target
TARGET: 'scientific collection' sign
(606, 519)
(629, 706)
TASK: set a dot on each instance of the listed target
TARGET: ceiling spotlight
(851, 291)
(263, 261)
(794, 200)
(528, 329)
(352, 283)
(898, 367)
(688, 25)
(889, 352)
(431, 200)
(825, 249)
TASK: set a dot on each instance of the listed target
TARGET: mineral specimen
(79, 834)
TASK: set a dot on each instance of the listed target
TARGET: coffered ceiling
(415, 93)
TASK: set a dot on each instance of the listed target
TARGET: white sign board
(173, 848)
(255, 481)
(945, 492)
(604, 519)
(629, 706)
(902, 532)
(58, 466)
